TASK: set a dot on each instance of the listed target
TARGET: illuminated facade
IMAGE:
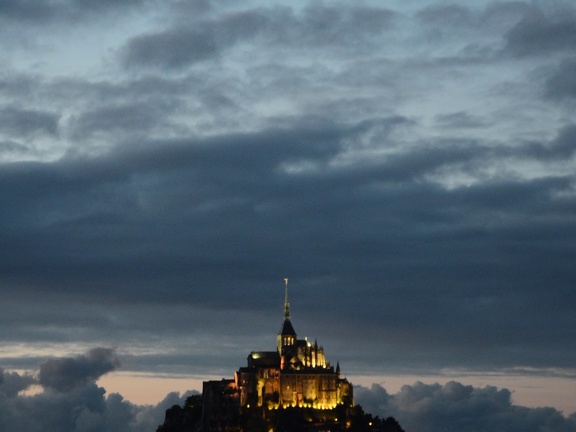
(297, 374)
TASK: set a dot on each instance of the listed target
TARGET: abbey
(296, 374)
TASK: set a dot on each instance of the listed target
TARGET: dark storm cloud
(135, 118)
(18, 85)
(25, 10)
(226, 170)
(11, 383)
(495, 15)
(562, 147)
(25, 122)
(562, 82)
(519, 29)
(472, 32)
(321, 25)
(168, 220)
(46, 12)
(456, 407)
(193, 42)
(213, 163)
(448, 15)
(105, 108)
(172, 49)
(79, 405)
(540, 33)
(65, 374)
(460, 119)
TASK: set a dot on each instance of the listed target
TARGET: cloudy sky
(409, 165)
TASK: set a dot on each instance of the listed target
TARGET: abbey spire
(287, 335)
(286, 304)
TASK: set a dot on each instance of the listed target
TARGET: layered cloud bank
(457, 407)
(70, 401)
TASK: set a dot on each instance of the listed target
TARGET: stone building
(296, 374)
(220, 405)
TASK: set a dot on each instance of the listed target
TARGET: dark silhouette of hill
(188, 418)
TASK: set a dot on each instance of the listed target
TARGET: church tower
(297, 374)
(287, 336)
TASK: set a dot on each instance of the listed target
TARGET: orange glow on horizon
(147, 389)
(529, 391)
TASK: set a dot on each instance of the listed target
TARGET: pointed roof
(287, 328)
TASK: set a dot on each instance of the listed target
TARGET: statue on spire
(286, 304)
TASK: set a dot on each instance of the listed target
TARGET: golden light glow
(144, 388)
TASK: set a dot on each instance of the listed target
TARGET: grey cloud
(134, 119)
(562, 82)
(11, 383)
(468, 30)
(89, 4)
(25, 122)
(82, 409)
(449, 15)
(562, 147)
(172, 221)
(65, 374)
(240, 26)
(223, 167)
(194, 42)
(142, 107)
(526, 29)
(172, 49)
(541, 34)
(184, 9)
(26, 10)
(460, 119)
(43, 13)
(372, 20)
(322, 25)
(505, 12)
(456, 407)
(18, 87)
(493, 16)
(78, 405)
(11, 147)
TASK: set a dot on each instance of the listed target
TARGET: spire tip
(286, 304)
